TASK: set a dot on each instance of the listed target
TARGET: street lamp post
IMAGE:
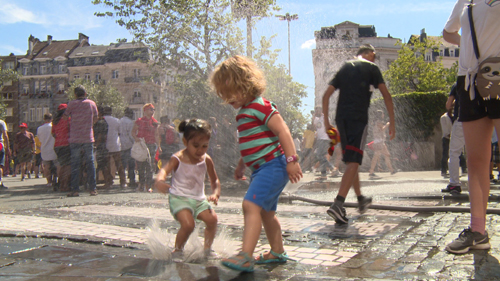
(288, 18)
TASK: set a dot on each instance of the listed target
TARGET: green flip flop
(238, 263)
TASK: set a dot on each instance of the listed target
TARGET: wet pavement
(45, 235)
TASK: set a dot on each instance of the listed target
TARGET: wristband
(292, 158)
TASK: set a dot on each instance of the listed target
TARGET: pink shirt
(147, 129)
(83, 112)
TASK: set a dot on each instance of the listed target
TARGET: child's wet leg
(251, 231)
(209, 217)
(272, 228)
(185, 218)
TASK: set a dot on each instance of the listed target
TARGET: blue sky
(65, 19)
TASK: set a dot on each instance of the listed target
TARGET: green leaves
(411, 72)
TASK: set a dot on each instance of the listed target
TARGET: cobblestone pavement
(380, 244)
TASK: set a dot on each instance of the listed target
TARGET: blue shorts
(267, 183)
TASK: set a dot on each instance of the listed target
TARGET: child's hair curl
(238, 77)
(192, 127)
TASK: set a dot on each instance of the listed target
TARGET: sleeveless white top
(189, 180)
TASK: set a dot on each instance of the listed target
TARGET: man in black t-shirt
(356, 81)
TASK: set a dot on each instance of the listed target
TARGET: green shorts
(179, 203)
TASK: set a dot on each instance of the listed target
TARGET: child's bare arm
(160, 183)
(240, 169)
(214, 181)
(280, 129)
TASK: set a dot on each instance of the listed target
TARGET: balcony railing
(136, 100)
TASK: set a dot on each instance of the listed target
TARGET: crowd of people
(66, 144)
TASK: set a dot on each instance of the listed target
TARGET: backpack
(170, 136)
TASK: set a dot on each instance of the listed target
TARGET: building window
(137, 114)
(26, 89)
(38, 114)
(25, 70)
(9, 111)
(60, 87)
(87, 76)
(45, 110)
(452, 53)
(43, 69)
(76, 76)
(42, 86)
(10, 126)
(137, 94)
(35, 70)
(9, 65)
(115, 74)
(32, 115)
(8, 96)
(36, 86)
(441, 53)
(97, 76)
(62, 68)
(137, 73)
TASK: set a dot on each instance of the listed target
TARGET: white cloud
(71, 14)
(11, 49)
(309, 44)
(10, 13)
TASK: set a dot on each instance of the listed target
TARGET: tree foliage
(281, 89)
(102, 95)
(410, 72)
(6, 75)
(189, 38)
(194, 35)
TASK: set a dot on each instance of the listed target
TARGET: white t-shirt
(44, 134)
(320, 128)
(126, 139)
(446, 125)
(113, 143)
(486, 23)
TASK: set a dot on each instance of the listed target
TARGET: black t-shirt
(356, 81)
(101, 132)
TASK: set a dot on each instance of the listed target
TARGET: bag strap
(472, 29)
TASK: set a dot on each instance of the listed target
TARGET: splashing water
(161, 244)
(223, 245)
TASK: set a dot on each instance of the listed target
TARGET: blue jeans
(146, 169)
(128, 163)
(79, 151)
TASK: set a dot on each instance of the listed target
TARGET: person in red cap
(60, 131)
(147, 127)
(24, 148)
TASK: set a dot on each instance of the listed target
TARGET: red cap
(23, 125)
(62, 106)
